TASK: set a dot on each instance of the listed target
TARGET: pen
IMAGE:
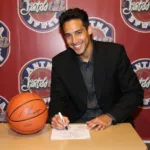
(61, 117)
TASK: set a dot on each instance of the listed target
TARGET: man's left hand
(99, 123)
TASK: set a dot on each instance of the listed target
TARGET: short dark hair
(74, 13)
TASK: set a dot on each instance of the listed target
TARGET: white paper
(75, 131)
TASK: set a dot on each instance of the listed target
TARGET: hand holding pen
(62, 119)
(60, 122)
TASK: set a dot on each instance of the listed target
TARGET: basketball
(26, 113)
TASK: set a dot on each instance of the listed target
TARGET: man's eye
(67, 35)
(79, 32)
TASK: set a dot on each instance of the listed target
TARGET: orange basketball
(26, 113)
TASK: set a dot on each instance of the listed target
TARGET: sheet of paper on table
(75, 131)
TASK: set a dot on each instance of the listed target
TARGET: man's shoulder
(105, 48)
(62, 55)
(107, 45)
(109, 52)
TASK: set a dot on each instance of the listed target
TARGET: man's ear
(90, 29)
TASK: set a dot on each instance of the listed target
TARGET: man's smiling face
(77, 36)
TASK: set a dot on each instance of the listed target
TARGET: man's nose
(74, 39)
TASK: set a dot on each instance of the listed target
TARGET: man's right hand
(57, 122)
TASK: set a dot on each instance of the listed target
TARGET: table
(117, 137)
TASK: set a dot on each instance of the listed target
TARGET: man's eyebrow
(79, 30)
(74, 31)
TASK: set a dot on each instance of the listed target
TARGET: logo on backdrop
(35, 77)
(3, 105)
(41, 15)
(102, 30)
(4, 43)
(142, 69)
(136, 14)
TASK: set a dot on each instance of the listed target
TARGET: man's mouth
(77, 46)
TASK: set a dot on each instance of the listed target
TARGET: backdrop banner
(30, 37)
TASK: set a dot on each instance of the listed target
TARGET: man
(92, 82)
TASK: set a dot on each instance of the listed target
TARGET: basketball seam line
(28, 118)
